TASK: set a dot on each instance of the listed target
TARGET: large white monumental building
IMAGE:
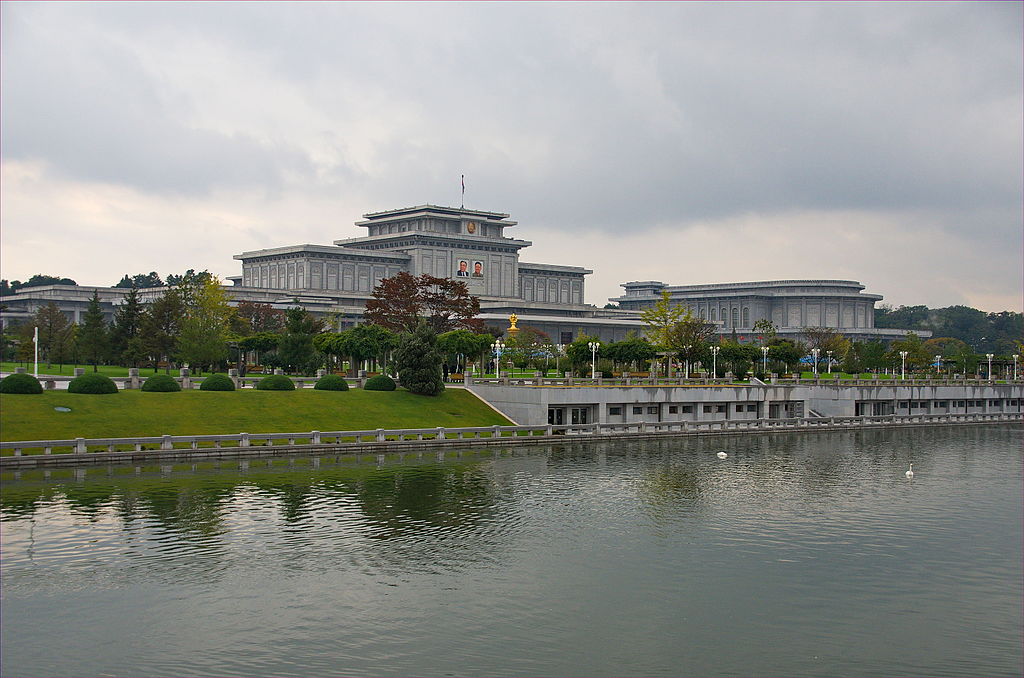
(468, 245)
(335, 281)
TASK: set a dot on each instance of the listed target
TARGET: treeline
(138, 281)
(997, 333)
(37, 280)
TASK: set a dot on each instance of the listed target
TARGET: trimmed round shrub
(161, 383)
(275, 382)
(331, 382)
(217, 382)
(92, 382)
(20, 383)
(379, 383)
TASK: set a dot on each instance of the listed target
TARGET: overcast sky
(687, 143)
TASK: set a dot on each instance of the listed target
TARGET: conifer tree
(93, 336)
(419, 362)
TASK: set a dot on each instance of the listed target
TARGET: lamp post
(815, 352)
(764, 360)
(1016, 357)
(989, 356)
(35, 341)
(594, 345)
(497, 347)
(687, 361)
(558, 354)
(903, 364)
(714, 361)
(938, 364)
(829, 354)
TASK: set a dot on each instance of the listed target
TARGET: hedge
(379, 383)
(275, 382)
(331, 382)
(20, 383)
(93, 382)
(161, 383)
(217, 382)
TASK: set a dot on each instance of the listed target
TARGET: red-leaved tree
(399, 302)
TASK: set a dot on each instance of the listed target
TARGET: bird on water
(910, 473)
(722, 455)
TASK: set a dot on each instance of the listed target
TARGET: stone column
(186, 381)
(133, 378)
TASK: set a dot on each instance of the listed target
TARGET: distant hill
(999, 333)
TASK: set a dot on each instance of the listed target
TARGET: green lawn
(134, 413)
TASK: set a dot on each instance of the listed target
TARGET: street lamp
(938, 365)
(714, 361)
(687, 349)
(815, 352)
(903, 364)
(1016, 357)
(764, 360)
(594, 345)
(989, 356)
(558, 348)
(829, 354)
(497, 347)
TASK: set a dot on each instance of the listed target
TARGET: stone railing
(106, 450)
(823, 380)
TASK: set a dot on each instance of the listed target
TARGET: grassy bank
(134, 413)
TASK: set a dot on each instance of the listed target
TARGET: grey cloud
(596, 115)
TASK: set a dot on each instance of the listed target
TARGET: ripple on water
(645, 557)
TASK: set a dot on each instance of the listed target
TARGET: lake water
(799, 554)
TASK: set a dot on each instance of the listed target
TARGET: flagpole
(463, 191)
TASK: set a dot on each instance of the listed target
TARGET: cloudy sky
(688, 143)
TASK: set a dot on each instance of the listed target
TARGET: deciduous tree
(399, 302)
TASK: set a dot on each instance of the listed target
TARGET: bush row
(163, 383)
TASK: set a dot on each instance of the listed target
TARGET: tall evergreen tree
(127, 322)
(93, 336)
(296, 346)
(419, 362)
(160, 326)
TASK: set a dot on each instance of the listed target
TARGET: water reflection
(641, 557)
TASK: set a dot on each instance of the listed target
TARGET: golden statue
(512, 329)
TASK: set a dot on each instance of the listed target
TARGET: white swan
(722, 455)
(910, 473)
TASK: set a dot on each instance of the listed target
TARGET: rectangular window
(652, 410)
(566, 337)
(904, 404)
(752, 408)
(638, 410)
(673, 409)
(615, 411)
(707, 409)
(721, 408)
(740, 407)
(687, 409)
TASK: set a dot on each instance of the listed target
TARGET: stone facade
(790, 305)
(474, 246)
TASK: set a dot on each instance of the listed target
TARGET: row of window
(923, 404)
(616, 410)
